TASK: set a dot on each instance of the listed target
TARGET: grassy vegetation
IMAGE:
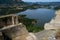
(34, 28)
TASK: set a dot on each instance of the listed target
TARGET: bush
(34, 28)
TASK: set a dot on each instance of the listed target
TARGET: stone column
(16, 20)
(12, 20)
(18, 32)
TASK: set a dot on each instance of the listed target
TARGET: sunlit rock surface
(54, 23)
(31, 36)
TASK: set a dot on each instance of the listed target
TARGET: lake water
(42, 15)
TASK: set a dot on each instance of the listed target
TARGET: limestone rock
(31, 36)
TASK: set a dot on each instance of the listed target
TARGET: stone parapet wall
(15, 31)
(18, 32)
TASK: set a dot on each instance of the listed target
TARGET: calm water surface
(42, 15)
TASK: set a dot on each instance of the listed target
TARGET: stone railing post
(12, 20)
(16, 20)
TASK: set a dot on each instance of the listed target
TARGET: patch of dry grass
(57, 34)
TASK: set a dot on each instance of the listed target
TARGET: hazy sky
(41, 0)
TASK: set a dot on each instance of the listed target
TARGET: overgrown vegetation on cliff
(30, 24)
